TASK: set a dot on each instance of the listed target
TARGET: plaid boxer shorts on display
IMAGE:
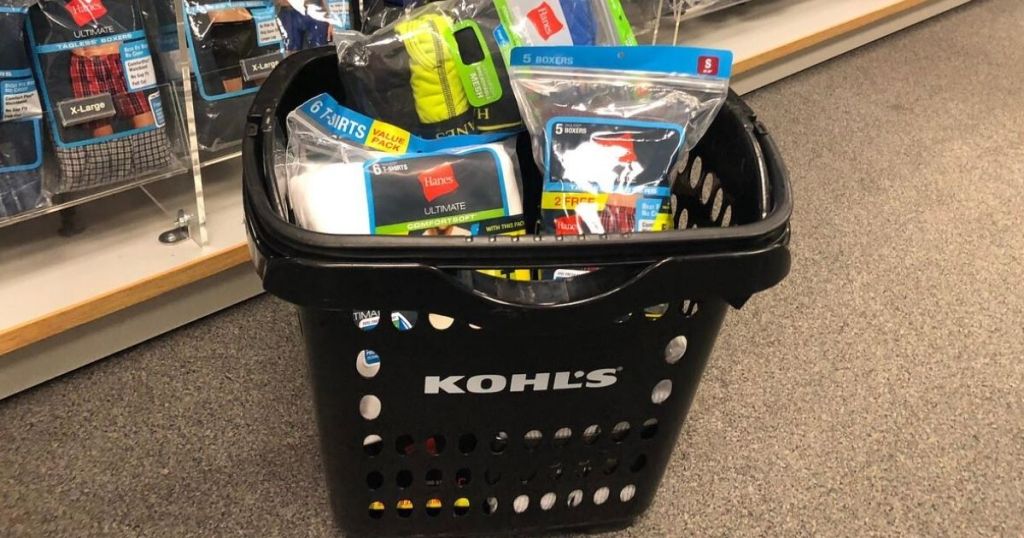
(93, 75)
(618, 219)
(111, 162)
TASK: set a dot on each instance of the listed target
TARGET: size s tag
(259, 68)
(78, 111)
(268, 30)
(474, 64)
(20, 100)
(441, 194)
(139, 73)
(85, 11)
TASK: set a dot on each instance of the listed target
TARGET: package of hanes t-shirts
(609, 124)
(100, 88)
(234, 44)
(350, 174)
(21, 155)
(436, 71)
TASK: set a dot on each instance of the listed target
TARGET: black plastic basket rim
(275, 237)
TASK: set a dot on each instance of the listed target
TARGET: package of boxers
(100, 88)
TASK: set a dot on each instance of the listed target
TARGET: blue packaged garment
(20, 119)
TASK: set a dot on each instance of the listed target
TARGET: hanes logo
(438, 181)
(545, 20)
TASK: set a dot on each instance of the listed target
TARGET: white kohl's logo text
(493, 384)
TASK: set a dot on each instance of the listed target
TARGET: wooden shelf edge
(34, 331)
(813, 40)
(43, 327)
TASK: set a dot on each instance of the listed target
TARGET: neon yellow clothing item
(436, 87)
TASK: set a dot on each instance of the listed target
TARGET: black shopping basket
(479, 406)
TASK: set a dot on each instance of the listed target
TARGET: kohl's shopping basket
(480, 406)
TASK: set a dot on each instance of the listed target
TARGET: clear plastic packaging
(437, 71)
(234, 45)
(565, 22)
(609, 123)
(107, 104)
(349, 174)
(21, 156)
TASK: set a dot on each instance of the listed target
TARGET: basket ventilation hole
(661, 391)
(372, 445)
(366, 320)
(716, 207)
(689, 308)
(405, 445)
(490, 505)
(696, 168)
(708, 189)
(638, 464)
(403, 479)
(521, 503)
(461, 506)
(611, 464)
(439, 322)
(555, 471)
(601, 495)
(675, 349)
(527, 477)
(492, 477)
(627, 493)
(467, 443)
(369, 407)
(405, 508)
(727, 216)
(368, 363)
(575, 498)
(656, 312)
(650, 428)
(499, 443)
(547, 502)
(591, 434)
(684, 219)
(583, 469)
(434, 477)
(562, 436)
(532, 439)
(622, 319)
(434, 507)
(435, 445)
(376, 510)
(404, 320)
(463, 477)
(374, 480)
(620, 431)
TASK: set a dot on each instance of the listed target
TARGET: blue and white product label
(504, 42)
(139, 73)
(20, 99)
(693, 61)
(341, 14)
(337, 121)
(157, 106)
(268, 30)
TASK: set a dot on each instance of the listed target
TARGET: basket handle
(731, 277)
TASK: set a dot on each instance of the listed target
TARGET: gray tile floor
(879, 390)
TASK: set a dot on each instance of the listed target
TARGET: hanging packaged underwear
(102, 93)
(235, 44)
(564, 22)
(21, 155)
